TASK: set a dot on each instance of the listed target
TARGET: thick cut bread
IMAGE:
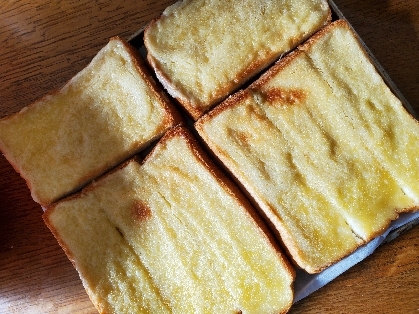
(203, 50)
(103, 115)
(323, 146)
(171, 236)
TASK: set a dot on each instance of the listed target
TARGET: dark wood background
(44, 43)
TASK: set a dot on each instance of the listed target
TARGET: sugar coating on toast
(171, 236)
(203, 50)
(323, 146)
(103, 115)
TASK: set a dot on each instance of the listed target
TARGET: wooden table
(44, 43)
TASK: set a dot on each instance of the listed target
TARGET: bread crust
(196, 107)
(173, 90)
(204, 159)
(172, 118)
(165, 80)
(142, 70)
(280, 233)
(284, 62)
(275, 222)
(228, 185)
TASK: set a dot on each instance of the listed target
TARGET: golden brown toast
(171, 235)
(105, 114)
(204, 50)
(326, 150)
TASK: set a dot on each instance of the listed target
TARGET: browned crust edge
(49, 211)
(173, 115)
(196, 109)
(192, 108)
(397, 213)
(173, 118)
(280, 231)
(69, 254)
(274, 222)
(301, 49)
(229, 186)
(42, 202)
(231, 101)
(208, 163)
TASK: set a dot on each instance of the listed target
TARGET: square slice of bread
(329, 154)
(102, 116)
(171, 235)
(202, 51)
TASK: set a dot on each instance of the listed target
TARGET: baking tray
(305, 283)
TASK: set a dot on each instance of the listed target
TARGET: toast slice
(105, 114)
(171, 235)
(202, 51)
(329, 154)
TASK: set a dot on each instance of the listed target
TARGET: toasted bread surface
(171, 235)
(203, 50)
(323, 146)
(103, 115)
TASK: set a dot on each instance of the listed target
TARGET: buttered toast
(202, 51)
(171, 235)
(105, 114)
(322, 145)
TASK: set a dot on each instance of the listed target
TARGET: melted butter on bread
(204, 50)
(106, 113)
(200, 248)
(323, 146)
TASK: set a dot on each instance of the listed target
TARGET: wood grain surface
(44, 43)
